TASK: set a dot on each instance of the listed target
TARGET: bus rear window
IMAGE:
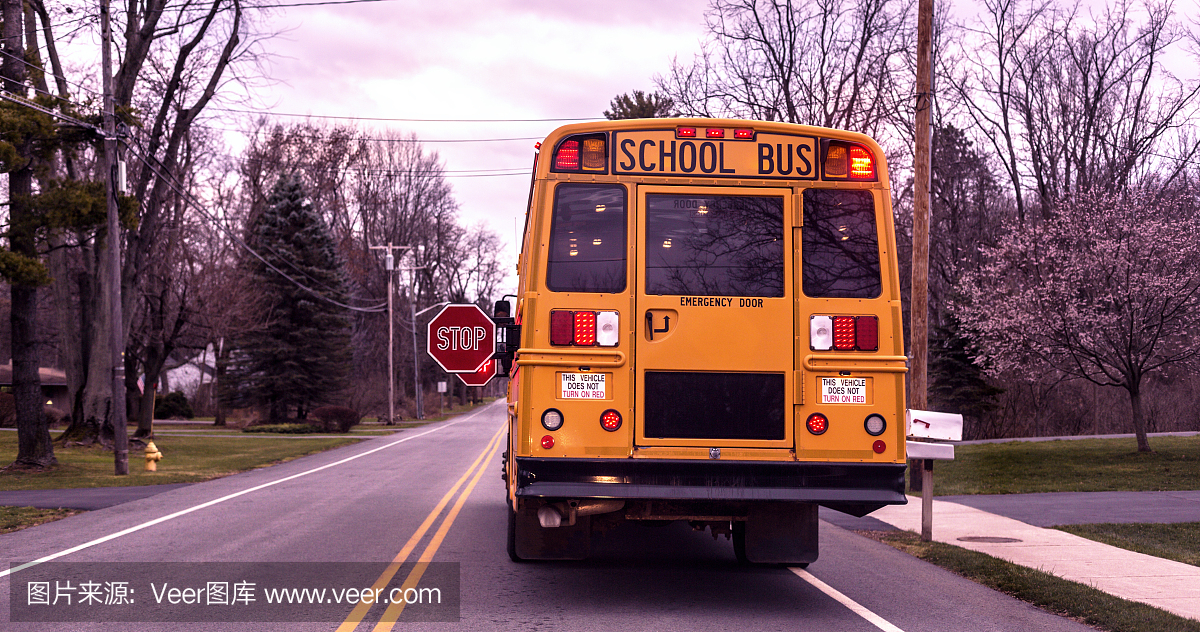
(587, 239)
(715, 245)
(841, 246)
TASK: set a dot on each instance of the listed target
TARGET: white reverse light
(820, 333)
(607, 330)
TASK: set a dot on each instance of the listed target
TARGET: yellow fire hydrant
(152, 457)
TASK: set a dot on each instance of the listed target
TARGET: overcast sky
(476, 59)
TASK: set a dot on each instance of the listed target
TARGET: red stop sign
(461, 338)
(480, 377)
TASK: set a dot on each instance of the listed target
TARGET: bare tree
(833, 63)
(1070, 102)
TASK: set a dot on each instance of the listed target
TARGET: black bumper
(856, 488)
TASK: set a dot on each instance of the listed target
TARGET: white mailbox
(933, 451)
(923, 424)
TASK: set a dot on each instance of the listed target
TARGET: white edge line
(222, 499)
(854, 606)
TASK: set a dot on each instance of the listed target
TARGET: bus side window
(587, 239)
(841, 245)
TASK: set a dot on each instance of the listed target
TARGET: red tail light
(862, 165)
(610, 420)
(843, 333)
(547, 442)
(879, 447)
(567, 156)
(867, 330)
(849, 333)
(817, 423)
(585, 329)
(562, 328)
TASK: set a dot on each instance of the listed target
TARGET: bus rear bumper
(854, 488)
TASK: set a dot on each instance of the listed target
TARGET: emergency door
(714, 343)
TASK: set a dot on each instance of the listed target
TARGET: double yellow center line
(390, 616)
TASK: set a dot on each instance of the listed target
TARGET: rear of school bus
(710, 330)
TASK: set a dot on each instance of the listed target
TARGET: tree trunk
(1139, 421)
(221, 363)
(34, 448)
(79, 430)
(97, 422)
(67, 313)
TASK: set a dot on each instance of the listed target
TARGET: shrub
(173, 405)
(8, 410)
(336, 418)
(283, 428)
(56, 417)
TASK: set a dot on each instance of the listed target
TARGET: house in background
(54, 385)
(189, 373)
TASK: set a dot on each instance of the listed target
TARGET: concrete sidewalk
(1171, 586)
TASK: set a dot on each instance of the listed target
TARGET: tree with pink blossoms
(1106, 289)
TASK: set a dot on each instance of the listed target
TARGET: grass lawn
(1084, 465)
(1050, 593)
(17, 518)
(187, 459)
(1179, 542)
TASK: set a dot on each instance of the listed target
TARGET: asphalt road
(369, 502)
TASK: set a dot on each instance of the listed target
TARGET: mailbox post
(931, 426)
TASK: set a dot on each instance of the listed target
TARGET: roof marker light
(713, 132)
(862, 165)
(685, 132)
(593, 154)
(567, 156)
(743, 134)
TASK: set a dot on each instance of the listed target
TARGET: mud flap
(530, 541)
(781, 533)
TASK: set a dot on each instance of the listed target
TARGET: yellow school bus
(707, 329)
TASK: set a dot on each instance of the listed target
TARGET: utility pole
(919, 305)
(390, 266)
(412, 304)
(113, 242)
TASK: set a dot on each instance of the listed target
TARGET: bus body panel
(712, 372)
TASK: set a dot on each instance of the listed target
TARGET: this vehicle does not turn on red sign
(583, 386)
(845, 390)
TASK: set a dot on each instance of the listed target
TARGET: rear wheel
(512, 537)
(739, 542)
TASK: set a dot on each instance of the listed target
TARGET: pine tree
(300, 358)
(957, 384)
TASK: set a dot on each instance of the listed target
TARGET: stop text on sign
(461, 338)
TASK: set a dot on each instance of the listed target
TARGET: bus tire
(512, 537)
(739, 542)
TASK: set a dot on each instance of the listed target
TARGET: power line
(401, 120)
(190, 199)
(311, 4)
